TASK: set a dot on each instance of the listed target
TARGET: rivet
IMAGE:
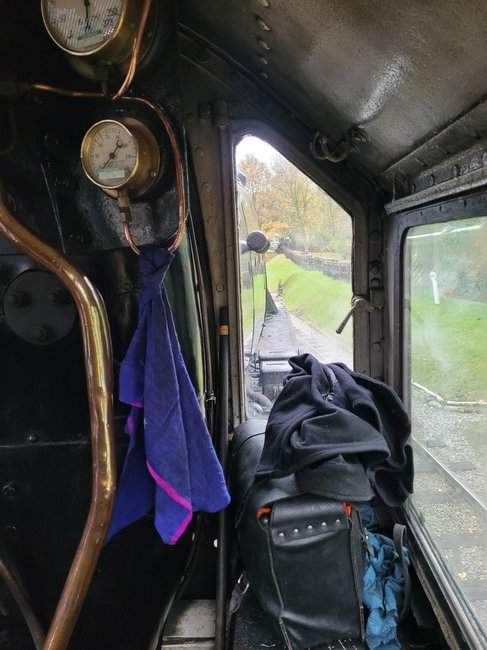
(262, 24)
(310, 527)
(323, 524)
(152, 174)
(376, 346)
(10, 531)
(281, 534)
(18, 298)
(57, 297)
(220, 287)
(296, 530)
(33, 437)
(264, 3)
(338, 522)
(9, 490)
(263, 60)
(40, 333)
(199, 151)
(375, 283)
(263, 44)
(206, 187)
(51, 140)
(211, 220)
(202, 55)
(264, 75)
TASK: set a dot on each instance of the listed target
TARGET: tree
(296, 200)
(258, 183)
(289, 205)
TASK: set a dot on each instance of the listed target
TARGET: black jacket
(343, 434)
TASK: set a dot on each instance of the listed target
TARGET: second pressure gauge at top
(96, 32)
(81, 27)
(121, 155)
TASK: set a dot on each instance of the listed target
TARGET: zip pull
(359, 303)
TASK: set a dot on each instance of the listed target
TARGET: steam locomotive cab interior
(173, 134)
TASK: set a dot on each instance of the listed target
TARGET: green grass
(314, 297)
(448, 341)
(449, 346)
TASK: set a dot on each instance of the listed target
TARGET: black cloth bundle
(343, 434)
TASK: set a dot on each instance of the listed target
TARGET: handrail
(98, 364)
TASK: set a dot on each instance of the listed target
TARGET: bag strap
(399, 535)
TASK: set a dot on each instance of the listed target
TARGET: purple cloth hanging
(171, 464)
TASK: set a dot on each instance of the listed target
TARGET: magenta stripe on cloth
(169, 489)
(139, 405)
(181, 528)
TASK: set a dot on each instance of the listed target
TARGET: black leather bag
(303, 553)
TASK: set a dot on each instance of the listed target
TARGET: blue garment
(383, 592)
(171, 464)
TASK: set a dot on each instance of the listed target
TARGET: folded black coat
(343, 434)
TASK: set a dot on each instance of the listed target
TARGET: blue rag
(383, 592)
(171, 464)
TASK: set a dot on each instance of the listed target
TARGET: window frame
(459, 629)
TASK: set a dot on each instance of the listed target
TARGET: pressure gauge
(121, 155)
(81, 27)
(94, 32)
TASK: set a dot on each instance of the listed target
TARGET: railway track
(456, 520)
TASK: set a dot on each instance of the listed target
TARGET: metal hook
(320, 142)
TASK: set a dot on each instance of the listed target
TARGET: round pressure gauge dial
(120, 154)
(82, 27)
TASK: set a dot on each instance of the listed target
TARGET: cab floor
(253, 631)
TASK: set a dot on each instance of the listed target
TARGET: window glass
(446, 354)
(295, 295)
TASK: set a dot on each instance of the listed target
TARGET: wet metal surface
(399, 70)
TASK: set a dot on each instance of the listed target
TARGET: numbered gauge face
(109, 154)
(82, 26)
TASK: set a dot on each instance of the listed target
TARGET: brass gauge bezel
(116, 50)
(147, 163)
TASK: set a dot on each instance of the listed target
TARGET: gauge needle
(114, 152)
(87, 18)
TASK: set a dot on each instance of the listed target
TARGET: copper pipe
(130, 240)
(134, 59)
(65, 93)
(22, 600)
(178, 161)
(98, 365)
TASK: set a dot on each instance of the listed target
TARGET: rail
(469, 496)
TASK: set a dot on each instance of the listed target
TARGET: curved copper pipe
(134, 59)
(98, 364)
(178, 161)
(130, 240)
(23, 602)
(45, 88)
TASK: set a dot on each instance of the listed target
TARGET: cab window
(445, 312)
(295, 294)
